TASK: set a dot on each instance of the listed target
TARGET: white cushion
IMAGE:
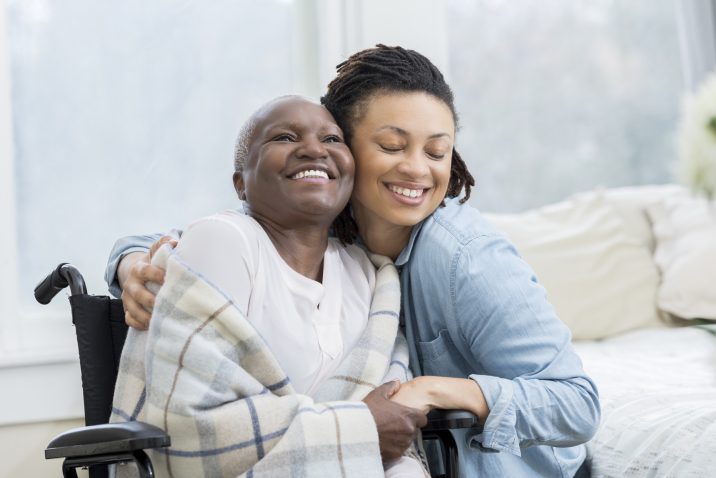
(631, 203)
(685, 232)
(601, 280)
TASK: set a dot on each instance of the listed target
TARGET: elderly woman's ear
(239, 185)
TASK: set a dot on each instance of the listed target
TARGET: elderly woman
(269, 340)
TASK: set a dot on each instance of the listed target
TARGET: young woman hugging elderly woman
(480, 332)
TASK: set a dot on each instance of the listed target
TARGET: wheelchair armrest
(106, 439)
(439, 419)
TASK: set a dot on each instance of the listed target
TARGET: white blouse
(308, 325)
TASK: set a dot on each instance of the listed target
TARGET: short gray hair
(243, 141)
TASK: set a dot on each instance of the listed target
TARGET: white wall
(23, 449)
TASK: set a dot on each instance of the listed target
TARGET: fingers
(134, 315)
(162, 240)
(388, 389)
(134, 323)
(150, 273)
(414, 417)
(394, 387)
(137, 299)
(397, 425)
(142, 296)
(421, 419)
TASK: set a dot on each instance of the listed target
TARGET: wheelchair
(101, 332)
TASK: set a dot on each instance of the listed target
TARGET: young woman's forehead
(408, 110)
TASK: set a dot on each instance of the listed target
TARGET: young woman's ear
(239, 185)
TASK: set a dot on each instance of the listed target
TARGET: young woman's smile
(402, 146)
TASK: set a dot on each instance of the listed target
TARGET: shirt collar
(404, 256)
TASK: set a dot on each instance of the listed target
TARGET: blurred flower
(697, 139)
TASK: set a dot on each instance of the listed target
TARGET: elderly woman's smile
(297, 164)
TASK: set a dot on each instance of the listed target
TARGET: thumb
(389, 389)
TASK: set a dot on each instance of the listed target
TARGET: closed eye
(391, 149)
(284, 137)
(333, 139)
(436, 155)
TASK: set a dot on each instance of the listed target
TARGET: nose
(312, 148)
(414, 165)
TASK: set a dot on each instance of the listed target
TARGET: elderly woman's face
(299, 170)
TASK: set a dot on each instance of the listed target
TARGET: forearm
(456, 394)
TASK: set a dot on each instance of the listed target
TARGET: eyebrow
(283, 124)
(295, 125)
(403, 132)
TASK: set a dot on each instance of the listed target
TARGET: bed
(658, 396)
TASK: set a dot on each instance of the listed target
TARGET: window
(124, 116)
(560, 96)
(119, 118)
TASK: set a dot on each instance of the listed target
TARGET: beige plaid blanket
(211, 382)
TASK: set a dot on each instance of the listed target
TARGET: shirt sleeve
(121, 248)
(532, 379)
(217, 249)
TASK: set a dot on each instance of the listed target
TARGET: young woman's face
(402, 145)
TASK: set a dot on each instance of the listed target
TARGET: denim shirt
(473, 308)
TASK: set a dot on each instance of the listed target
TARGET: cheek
(368, 167)
(349, 165)
(441, 173)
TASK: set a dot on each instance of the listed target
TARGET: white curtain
(697, 35)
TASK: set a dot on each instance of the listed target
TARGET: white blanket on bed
(658, 393)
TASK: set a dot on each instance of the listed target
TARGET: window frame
(696, 21)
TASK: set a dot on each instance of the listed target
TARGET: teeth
(311, 173)
(411, 193)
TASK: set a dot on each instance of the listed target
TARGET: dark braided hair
(380, 70)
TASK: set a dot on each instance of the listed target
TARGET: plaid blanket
(209, 380)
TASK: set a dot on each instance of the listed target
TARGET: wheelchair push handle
(64, 275)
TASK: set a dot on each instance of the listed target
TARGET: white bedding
(658, 395)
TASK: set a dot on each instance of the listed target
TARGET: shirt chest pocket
(439, 356)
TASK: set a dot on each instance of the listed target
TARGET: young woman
(481, 332)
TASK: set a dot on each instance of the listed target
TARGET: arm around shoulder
(120, 250)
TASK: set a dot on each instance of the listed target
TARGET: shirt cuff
(499, 432)
(110, 274)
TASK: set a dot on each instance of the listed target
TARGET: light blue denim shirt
(473, 308)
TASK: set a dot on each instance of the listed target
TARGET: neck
(382, 237)
(302, 248)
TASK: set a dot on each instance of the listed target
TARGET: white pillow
(685, 232)
(601, 280)
(631, 202)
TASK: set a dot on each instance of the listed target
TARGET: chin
(328, 210)
(408, 218)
